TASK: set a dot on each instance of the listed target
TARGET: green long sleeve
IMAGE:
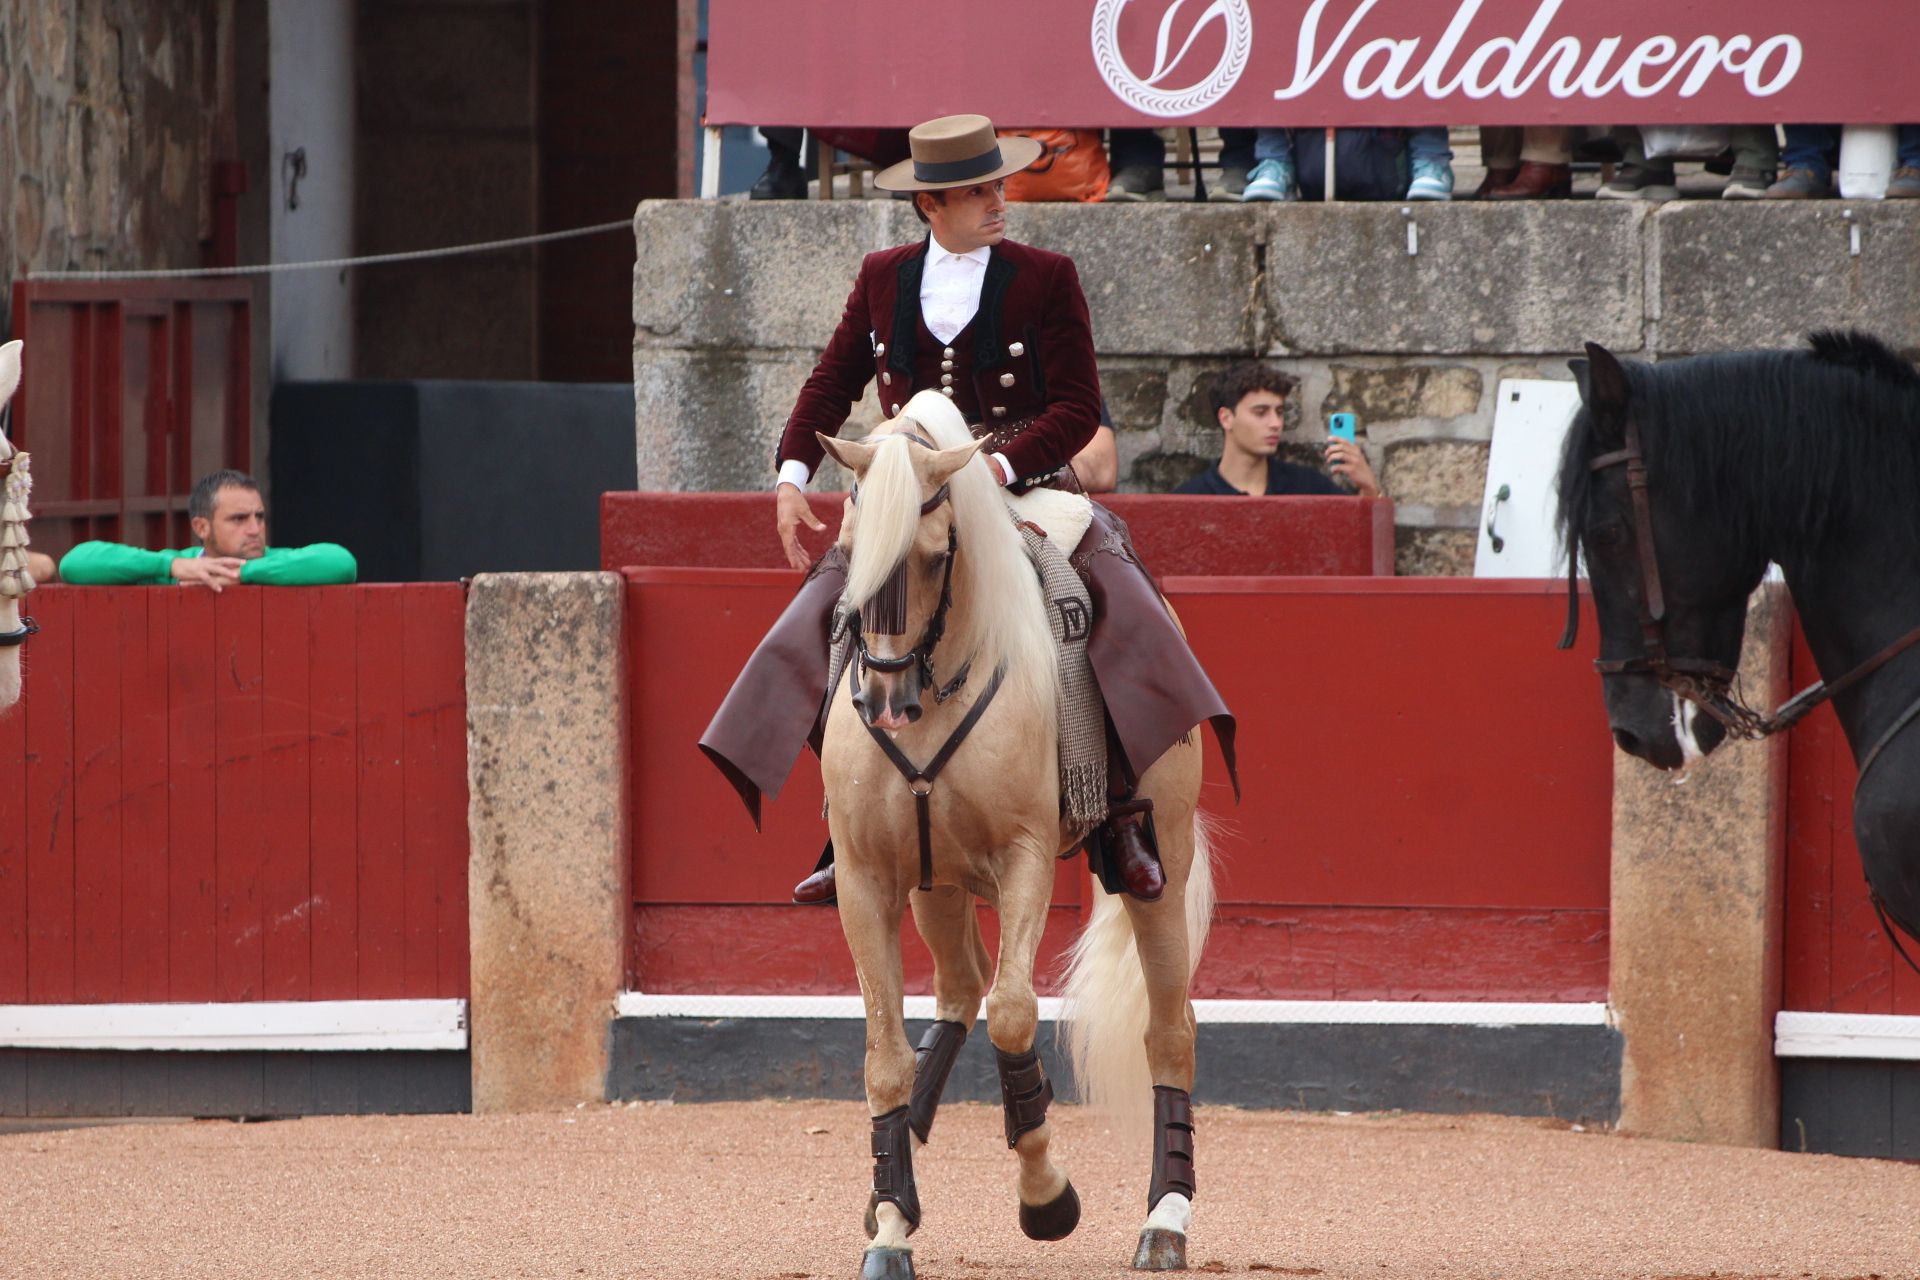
(110, 564)
(320, 565)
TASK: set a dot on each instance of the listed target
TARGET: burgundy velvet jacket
(1026, 356)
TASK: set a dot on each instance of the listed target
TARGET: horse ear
(1603, 383)
(948, 461)
(855, 455)
(1581, 374)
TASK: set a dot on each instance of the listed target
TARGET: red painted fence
(1838, 957)
(1427, 812)
(259, 795)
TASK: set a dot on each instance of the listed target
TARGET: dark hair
(200, 505)
(1236, 382)
(939, 198)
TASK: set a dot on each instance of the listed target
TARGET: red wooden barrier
(259, 795)
(1177, 535)
(1838, 957)
(1427, 813)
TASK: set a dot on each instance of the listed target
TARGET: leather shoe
(783, 180)
(1536, 181)
(1133, 857)
(817, 889)
(1495, 178)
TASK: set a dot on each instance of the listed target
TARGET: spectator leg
(1429, 164)
(1813, 148)
(1273, 176)
(1910, 146)
(1546, 166)
(1138, 158)
(784, 178)
(1756, 157)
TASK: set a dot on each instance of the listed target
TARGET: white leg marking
(1173, 1213)
(1684, 713)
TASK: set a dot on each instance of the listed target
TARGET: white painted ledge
(1882, 1036)
(296, 1024)
(635, 1004)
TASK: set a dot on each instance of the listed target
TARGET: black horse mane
(1783, 449)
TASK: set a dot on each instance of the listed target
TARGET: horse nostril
(1626, 741)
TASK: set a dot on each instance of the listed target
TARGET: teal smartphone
(1341, 425)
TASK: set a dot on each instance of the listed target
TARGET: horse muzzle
(889, 700)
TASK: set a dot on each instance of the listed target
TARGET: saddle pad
(1064, 516)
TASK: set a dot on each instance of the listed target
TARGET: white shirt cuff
(1006, 468)
(793, 472)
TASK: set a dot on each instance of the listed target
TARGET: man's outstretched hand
(790, 511)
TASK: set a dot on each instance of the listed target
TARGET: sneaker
(1432, 180)
(1270, 180)
(1748, 183)
(1801, 184)
(1229, 187)
(1905, 184)
(1135, 184)
(1640, 182)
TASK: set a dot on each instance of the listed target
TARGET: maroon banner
(1087, 63)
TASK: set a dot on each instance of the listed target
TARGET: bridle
(886, 614)
(1708, 684)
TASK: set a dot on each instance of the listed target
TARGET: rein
(1707, 684)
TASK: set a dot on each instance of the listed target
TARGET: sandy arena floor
(777, 1189)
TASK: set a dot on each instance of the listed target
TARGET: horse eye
(1607, 535)
(935, 563)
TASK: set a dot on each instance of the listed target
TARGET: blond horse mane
(998, 618)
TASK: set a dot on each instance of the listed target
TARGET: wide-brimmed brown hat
(957, 151)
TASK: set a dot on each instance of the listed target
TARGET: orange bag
(1072, 166)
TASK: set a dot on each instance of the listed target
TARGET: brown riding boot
(1128, 842)
(817, 889)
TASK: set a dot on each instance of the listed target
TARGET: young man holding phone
(1247, 401)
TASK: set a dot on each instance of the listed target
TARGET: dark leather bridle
(1708, 684)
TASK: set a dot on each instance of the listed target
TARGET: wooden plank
(48, 700)
(143, 778)
(286, 899)
(382, 861)
(239, 804)
(99, 618)
(434, 662)
(332, 682)
(13, 860)
(192, 741)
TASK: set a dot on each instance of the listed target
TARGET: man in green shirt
(230, 520)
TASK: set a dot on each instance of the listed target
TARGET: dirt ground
(776, 1190)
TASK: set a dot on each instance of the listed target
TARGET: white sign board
(1517, 537)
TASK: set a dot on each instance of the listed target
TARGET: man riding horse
(1001, 329)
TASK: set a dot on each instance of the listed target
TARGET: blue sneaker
(1270, 180)
(1432, 180)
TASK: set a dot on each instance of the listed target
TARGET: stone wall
(113, 116)
(733, 301)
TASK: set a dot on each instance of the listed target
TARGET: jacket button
(946, 379)
(1006, 379)
(879, 348)
(999, 411)
(896, 411)
(886, 378)
(948, 353)
(1017, 349)
(946, 364)
(947, 392)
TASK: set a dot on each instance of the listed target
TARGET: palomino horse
(15, 581)
(981, 819)
(1682, 480)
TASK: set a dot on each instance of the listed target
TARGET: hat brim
(1016, 153)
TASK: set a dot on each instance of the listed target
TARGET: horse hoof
(887, 1264)
(1054, 1221)
(1161, 1251)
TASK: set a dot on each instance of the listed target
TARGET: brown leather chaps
(1155, 689)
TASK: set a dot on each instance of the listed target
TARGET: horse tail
(1104, 1017)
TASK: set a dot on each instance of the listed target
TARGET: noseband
(1707, 684)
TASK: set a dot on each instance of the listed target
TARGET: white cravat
(950, 288)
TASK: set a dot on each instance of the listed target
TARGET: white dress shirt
(949, 299)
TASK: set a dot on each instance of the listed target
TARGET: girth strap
(920, 781)
(1025, 1092)
(1172, 1144)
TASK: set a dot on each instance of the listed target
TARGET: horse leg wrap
(893, 1167)
(1025, 1092)
(1172, 1144)
(933, 1062)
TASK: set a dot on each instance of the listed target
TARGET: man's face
(1254, 424)
(238, 526)
(970, 217)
